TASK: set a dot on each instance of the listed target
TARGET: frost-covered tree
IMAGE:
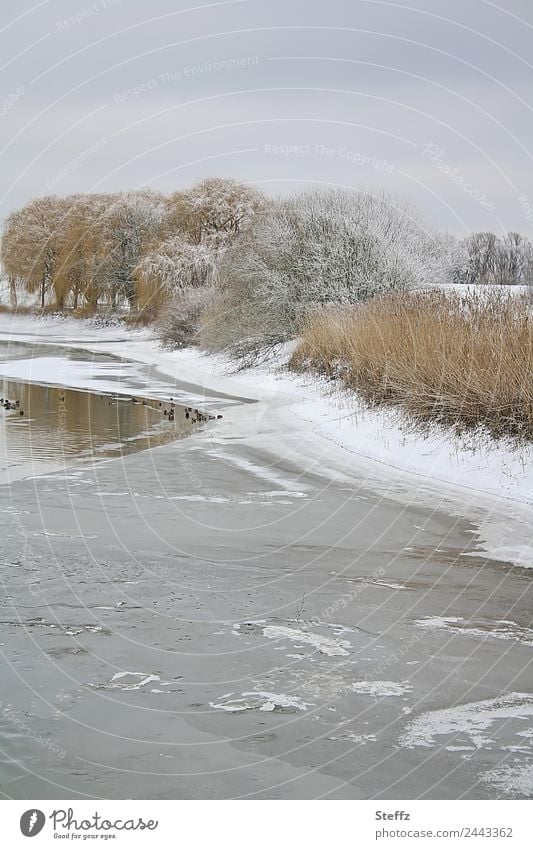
(132, 221)
(88, 248)
(172, 266)
(490, 259)
(513, 258)
(83, 250)
(218, 209)
(31, 243)
(322, 247)
(200, 225)
(9, 255)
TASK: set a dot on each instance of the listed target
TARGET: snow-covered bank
(327, 430)
(312, 424)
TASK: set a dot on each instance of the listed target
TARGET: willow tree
(218, 209)
(31, 244)
(132, 222)
(170, 267)
(83, 251)
(9, 255)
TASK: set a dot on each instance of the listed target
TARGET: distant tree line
(127, 248)
(223, 264)
(486, 258)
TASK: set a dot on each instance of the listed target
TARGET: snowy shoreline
(306, 421)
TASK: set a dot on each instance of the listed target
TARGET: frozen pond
(215, 619)
(116, 408)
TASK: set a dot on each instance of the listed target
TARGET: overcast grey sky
(432, 99)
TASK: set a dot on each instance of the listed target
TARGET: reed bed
(462, 360)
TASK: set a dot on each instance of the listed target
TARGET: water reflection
(60, 426)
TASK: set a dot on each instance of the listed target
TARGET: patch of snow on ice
(437, 622)
(512, 780)
(381, 688)
(324, 645)
(527, 733)
(469, 721)
(460, 748)
(356, 738)
(501, 629)
(131, 685)
(279, 493)
(263, 701)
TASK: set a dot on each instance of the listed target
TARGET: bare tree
(489, 259)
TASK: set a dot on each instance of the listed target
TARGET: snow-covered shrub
(178, 326)
(332, 247)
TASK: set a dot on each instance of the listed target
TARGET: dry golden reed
(463, 360)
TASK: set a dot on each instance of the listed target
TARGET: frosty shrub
(322, 247)
(178, 326)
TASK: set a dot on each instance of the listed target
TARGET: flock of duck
(191, 413)
(11, 405)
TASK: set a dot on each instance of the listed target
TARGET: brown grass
(6, 308)
(460, 360)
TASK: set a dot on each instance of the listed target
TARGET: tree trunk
(13, 292)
